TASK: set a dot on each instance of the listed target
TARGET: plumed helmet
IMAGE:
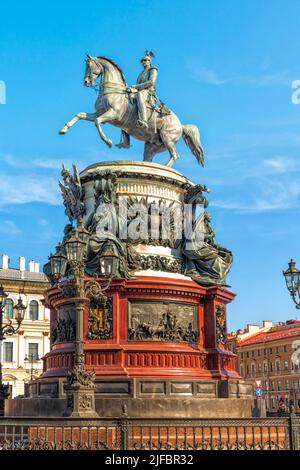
(148, 55)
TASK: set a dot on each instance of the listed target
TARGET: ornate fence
(137, 434)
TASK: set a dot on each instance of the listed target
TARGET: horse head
(96, 66)
(92, 70)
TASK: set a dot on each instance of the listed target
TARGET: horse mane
(115, 65)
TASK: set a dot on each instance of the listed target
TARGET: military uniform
(146, 86)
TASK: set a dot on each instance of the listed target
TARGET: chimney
(252, 328)
(267, 324)
(22, 262)
(5, 261)
(31, 266)
(36, 267)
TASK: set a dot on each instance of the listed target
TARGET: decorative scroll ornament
(221, 330)
(79, 377)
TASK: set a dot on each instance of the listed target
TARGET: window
(247, 353)
(259, 368)
(277, 349)
(253, 370)
(271, 350)
(9, 309)
(265, 352)
(33, 351)
(247, 368)
(286, 365)
(34, 310)
(242, 355)
(285, 348)
(287, 385)
(265, 367)
(278, 386)
(272, 403)
(242, 370)
(8, 351)
(258, 352)
(252, 353)
(272, 385)
(271, 367)
(277, 365)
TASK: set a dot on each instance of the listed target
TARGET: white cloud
(280, 164)
(48, 163)
(24, 189)
(8, 227)
(270, 195)
(204, 74)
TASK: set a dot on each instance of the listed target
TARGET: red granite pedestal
(149, 378)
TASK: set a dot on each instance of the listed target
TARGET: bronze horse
(116, 106)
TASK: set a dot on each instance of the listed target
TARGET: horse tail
(191, 137)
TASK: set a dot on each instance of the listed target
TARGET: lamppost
(8, 330)
(292, 279)
(80, 386)
(31, 358)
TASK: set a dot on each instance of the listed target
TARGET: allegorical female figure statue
(205, 261)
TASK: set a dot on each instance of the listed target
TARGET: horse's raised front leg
(110, 115)
(85, 116)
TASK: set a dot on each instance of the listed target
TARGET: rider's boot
(125, 141)
(142, 117)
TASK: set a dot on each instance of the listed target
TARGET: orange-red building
(270, 354)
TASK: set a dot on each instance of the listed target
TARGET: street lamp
(292, 279)
(8, 330)
(31, 358)
(58, 263)
(80, 385)
(109, 262)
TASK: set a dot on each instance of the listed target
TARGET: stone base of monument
(145, 398)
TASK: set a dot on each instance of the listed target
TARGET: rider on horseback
(145, 90)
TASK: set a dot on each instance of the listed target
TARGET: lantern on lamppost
(292, 279)
(58, 263)
(19, 310)
(8, 329)
(109, 263)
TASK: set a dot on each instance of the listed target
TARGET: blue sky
(225, 66)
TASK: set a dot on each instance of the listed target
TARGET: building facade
(271, 354)
(21, 353)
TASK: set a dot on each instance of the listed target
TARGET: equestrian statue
(136, 110)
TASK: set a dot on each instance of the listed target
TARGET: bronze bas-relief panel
(162, 321)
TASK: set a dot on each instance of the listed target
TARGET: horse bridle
(110, 85)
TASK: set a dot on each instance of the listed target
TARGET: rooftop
(290, 329)
(21, 273)
(16, 274)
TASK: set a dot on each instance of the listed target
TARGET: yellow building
(21, 353)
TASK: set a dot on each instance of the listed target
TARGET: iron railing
(151, 434)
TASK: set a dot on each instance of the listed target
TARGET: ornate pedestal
(158, 342)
